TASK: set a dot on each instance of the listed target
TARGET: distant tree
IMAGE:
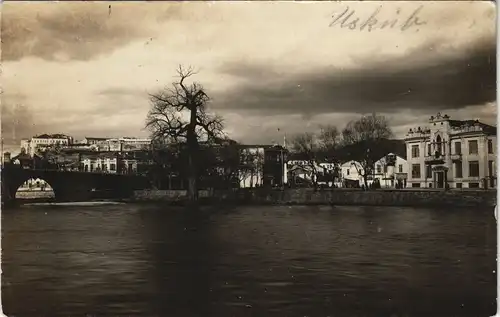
(307, 147)
(365, 141)
(165, 164)
(179, 115)
(251, 165)
(330, 138)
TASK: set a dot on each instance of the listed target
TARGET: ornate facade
(452, 154)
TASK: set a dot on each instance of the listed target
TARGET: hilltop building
(41, 142)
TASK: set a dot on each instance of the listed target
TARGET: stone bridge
(71, 185)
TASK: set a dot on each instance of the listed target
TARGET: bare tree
(179, 114)
(365, 141)
(329, 138)
(306, 145)
(251, 164)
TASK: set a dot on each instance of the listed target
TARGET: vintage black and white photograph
(248, 158)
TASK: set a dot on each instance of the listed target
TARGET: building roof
(464, 123)
(384, 157)
(95, 138)
(51, 136)
(350, 163)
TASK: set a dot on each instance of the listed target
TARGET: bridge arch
(34, 187)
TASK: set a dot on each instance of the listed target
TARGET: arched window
(439, 145)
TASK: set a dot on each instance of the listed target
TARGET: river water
(144, 260)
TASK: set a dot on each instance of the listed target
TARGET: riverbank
(340, 197)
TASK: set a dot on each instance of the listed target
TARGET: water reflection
(293, 261)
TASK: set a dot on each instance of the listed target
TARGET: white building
(118, 144)
(452, 153)
(351, 172)
(44, 141)
(391, 171)
(100, 163)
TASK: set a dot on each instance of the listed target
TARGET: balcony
(456, 157)
(434, 159)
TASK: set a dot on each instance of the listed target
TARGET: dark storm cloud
(80, 31)
(410, 82)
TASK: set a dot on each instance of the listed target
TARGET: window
(347, 172)
(458, 147)
(473, 169)
(415, 170)
(415, 185)
(428, 171)
(415, 151)
(112, 167)
(439, 145)
(429, 150)
(490, 168)
(385, 169)
(400, 168)
(379, 169)
(490, 147)
(473, 185)
(458, 185)
(458, 170)
(473, 147)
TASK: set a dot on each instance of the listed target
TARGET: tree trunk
(192, 147)
(192, 181)
(365, 180)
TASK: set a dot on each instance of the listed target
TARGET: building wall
(383, 171)
(37, 143)
(349, 171)
(275, 169)
(100, 164)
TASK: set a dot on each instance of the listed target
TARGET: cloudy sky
(86, 70)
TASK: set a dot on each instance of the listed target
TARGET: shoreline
(335, 197)
(295, 197)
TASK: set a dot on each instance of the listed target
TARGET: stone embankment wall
(427, 197)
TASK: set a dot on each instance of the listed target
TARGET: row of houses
(40, 143)
(447, 153)
(389, 171)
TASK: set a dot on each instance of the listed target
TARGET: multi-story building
(275, 169)
(452, 153)
(262, 165)
(118, 144)
(42, 142)
(391, 171)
